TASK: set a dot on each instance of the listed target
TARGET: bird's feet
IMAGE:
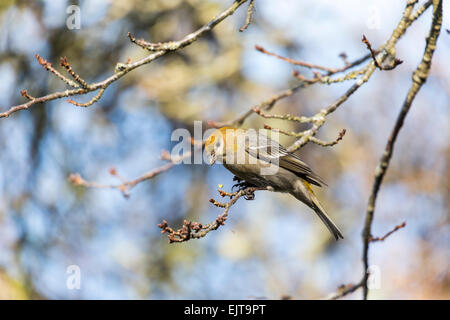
(244, 185)
(249, 194)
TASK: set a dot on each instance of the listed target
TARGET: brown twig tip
(395, 64)
(398, 227)
(328, 144)
(75, 178)
(251, 7)
(259, 48)
(25, 94)
(141, 42)
(341, 134)
(47, 65)
(217, 203)
(297, 74)
(364, 39)
(64, 63)
(221, 220)
(165, 155)
(225, 194)
(373, 53)
(163, 226)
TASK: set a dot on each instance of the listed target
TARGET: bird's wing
(271, 151)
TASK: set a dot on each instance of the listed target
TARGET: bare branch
(288, 116)
(308, 65)
(25, 94)
(265, 105)
(344, 290)
(251, 8)
(416, 14)
(48, 66)
(398, 227)
(164, 48)
(90, 102)
(418, 79)
(374, 57)
(126, 185)
(76, 76)
(312, 139)
(331, 143)
(187, 40)
(196, 230)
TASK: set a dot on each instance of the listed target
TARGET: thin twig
(374, 57)
(400, 226)
(90, 102)
(312, 65)
(331, 143)
(288, 117)
(76, 76)
(48, 66)
(418, 79)
(344, 290)
(187, 40)
(312, 139)
(196, 230)
(124, 68)
(251, 8)
(265, 105)
(126, 185)
(25, 94)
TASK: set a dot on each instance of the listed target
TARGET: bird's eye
(218, 144)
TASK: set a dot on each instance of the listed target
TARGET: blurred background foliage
(270, 247)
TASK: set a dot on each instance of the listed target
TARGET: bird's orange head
(219, 142)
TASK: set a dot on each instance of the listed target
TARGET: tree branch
(196, 230)
(251, 8)
(126, 185)
(396, 228)
(159, 49)
(418, 79)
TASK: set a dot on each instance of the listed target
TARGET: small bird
(252, 156)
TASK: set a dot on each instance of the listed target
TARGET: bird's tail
(326, 219)
(308, 197)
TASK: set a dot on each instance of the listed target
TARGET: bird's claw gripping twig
(250, 194)
(247, 187)
(242, 185)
